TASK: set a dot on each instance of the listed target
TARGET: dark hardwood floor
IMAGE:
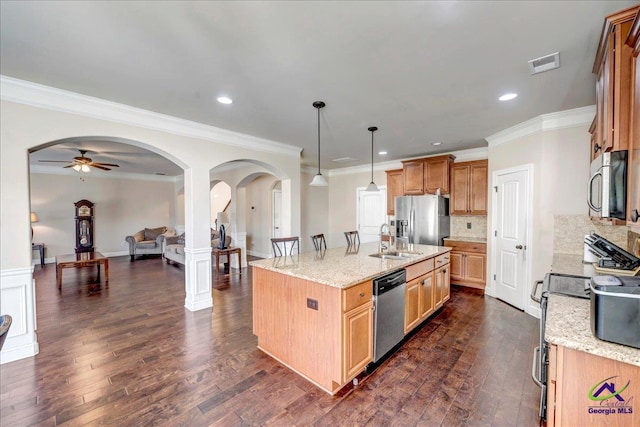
(131, 354)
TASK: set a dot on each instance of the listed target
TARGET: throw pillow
(153, 233)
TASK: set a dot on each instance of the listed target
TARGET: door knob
(519, 246)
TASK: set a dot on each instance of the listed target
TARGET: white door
(511, 202)
(277, 213)
(372, 213)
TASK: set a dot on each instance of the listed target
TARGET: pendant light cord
(319, 140)
(371, 156)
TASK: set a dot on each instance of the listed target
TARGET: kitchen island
(313, 311)
(581, 364)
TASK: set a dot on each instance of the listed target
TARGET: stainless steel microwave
(608, 185)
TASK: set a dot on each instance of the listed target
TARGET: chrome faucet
(381, 246)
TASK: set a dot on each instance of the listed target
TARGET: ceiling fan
(83, 164)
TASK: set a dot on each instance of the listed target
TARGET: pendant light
(319, 180)
(372, 185)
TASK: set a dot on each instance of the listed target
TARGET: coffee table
(85, 259)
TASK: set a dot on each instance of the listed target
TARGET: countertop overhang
(345, 266)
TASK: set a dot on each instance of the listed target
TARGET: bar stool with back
(284, 241)
(319, 242)
(353, 238)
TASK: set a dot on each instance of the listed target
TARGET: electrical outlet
(312, 303)
(468, 226)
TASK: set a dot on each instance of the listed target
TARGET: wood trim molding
(51, 98)
(633, 40)
(609, 22)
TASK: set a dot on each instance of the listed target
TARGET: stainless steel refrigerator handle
(535, 290)
(412, 224)
(535, 368)
(590, 192)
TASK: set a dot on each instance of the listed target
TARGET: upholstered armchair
(174, 246)
(149, 241)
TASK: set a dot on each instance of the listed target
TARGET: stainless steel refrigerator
(422, 219)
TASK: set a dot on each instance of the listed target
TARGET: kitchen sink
(395, 255)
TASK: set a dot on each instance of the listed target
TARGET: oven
(564, 284)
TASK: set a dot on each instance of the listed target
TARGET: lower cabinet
(602, 394)
(443, 288)
(468, 263)
(419, 302)
(358, 340)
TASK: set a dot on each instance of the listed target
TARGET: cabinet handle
(596, 148)
(635, 215)
(361, 294)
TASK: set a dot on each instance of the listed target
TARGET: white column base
(239, 240)
(198, 279)
(18, 300)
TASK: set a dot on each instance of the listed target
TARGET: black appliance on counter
(564, 284)
(611, 255)
(615, 309)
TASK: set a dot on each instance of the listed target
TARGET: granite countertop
(569, 319)
(344, 267)
(569, 325)
(466, 239)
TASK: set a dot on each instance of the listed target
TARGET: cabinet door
(446, 283)
(436, 175)
(412, 305)
(427, 303)
(358, 340)
(413, 177)
(459, 199)
(475, 268)
(457, 266)
(634, 145)
(439, 288)
(478, 183)
(394, 188)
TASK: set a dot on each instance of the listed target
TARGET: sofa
(150, 241)
(174, 246)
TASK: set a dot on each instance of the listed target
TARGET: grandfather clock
(84, 226)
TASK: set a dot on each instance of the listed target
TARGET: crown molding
(544, 123)
(51, 98)
(52, 170)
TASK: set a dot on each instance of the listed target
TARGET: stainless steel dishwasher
(388, 300)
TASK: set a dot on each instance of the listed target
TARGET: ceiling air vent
(544, 63)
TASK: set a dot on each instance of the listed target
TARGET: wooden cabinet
(613, 85)
(436, 174)
(413, 177)
(468, 263)
(442, 281)
(394, 188)
(426, 176)
(578, 397)
(469, 182)
(633, 199)
(419, 301)
(357, 325)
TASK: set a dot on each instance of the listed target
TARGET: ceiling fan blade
(104, 164)
(69, 166)
(99, 167)
(54, 161)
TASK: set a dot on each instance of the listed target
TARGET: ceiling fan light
(76, 168)
(85, 169)
(319, 181)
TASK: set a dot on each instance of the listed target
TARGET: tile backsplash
(569, 232)
(478, 226)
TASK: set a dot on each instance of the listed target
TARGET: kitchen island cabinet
(313, 311)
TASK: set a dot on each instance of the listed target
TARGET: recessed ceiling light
(382, 153)
(508, 96)
(436, 143)
(225, 100)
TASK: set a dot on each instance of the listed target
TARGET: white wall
(121, 208)
(560, 160)
(314, 210)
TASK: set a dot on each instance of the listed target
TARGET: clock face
(84, 211)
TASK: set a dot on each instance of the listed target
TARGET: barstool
(318, 241)
(353, 238)
(276, 241)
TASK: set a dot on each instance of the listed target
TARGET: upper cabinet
(426, 176)
(394, 188)
(613, 85)
(469, 182)
(633, 201)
